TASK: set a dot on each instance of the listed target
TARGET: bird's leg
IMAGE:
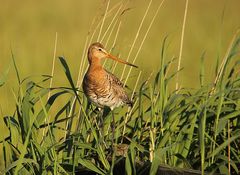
(104, 113)
(113, 130)
(100, 124)
(101, 111)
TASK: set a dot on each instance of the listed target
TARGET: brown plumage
(100, 86)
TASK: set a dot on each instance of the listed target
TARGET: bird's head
(96, 51)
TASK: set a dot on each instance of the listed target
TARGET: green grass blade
(15, 67)
(3, 76)
(201, 132)
(88, 164)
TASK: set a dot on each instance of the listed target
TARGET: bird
(101, 87)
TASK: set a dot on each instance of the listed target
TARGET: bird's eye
(100, 49)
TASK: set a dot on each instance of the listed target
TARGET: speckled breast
(102, 92)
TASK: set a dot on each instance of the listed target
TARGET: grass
(186, 129)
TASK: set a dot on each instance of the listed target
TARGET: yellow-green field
(28, 29)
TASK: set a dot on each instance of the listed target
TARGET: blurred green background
(29, 27)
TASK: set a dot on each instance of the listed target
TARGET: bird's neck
(95, 65)
(94, 61)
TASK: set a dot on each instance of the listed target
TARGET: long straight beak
(119, 60)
